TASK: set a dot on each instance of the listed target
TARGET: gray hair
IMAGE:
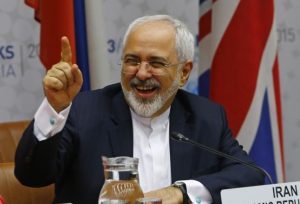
(184, 38)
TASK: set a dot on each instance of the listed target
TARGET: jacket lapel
(120, 128)
(180, 152)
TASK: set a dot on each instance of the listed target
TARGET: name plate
(281, 193)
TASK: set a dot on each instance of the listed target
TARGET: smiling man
(71, 130)
(151, 70)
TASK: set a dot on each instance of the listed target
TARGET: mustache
(147, 83)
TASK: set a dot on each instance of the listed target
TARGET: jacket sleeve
(231, 174)
(39, 163)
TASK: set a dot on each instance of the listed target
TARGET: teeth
(144, 88)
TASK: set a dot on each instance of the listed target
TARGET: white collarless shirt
(151, 147)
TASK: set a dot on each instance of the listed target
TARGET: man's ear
(185, 72)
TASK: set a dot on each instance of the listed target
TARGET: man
(71, 130)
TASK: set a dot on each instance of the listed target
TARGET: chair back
(14, 192)
(10, 134)
(11, 190)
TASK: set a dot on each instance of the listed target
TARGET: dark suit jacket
(100, 124)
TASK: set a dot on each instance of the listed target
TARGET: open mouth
(145, 91)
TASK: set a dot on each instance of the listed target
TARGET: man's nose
(144, 71)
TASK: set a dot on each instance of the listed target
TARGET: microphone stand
(179, 137)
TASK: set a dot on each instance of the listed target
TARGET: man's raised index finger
(66, 51)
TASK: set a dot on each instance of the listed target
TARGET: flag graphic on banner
(57, 19)
(239, 69)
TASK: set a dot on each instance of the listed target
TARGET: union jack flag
(239, 69)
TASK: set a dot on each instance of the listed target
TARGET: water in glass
(121, 181)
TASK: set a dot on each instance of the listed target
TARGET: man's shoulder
(193, 100)
(100, 103)
(107, 91)
(197, 110)
(102, 96)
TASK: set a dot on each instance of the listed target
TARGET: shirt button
(198, 200)
(52, 121)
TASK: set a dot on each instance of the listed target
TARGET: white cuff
(47, 122)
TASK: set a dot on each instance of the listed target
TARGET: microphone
(180, 137)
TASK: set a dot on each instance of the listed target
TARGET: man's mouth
(145, 91)
(145, 88)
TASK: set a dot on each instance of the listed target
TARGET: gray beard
(148, 107)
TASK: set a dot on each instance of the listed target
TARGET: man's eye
(157, 64)
(130, 61)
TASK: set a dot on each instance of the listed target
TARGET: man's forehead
(153, 31)
(155, 38)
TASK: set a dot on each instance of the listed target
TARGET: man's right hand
(63, 81)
